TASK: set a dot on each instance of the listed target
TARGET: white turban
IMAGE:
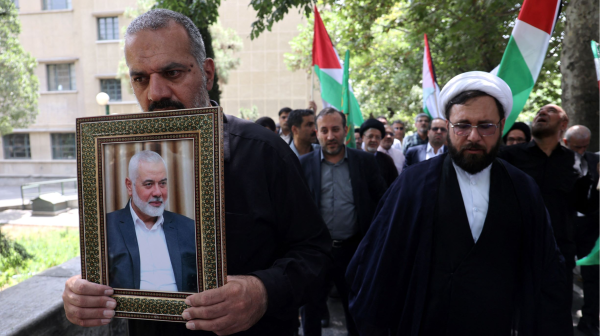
(478, 80)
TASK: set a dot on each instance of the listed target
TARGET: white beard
(146, 208)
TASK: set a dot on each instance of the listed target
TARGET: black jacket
(417, 154)
(273, 229)
(367, 184)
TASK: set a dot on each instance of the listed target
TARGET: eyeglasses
(461, 129)
(441, 129)
(389, 134)
(399, 128)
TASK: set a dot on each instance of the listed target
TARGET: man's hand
(88, 304)
(312, 106)
(235, 307)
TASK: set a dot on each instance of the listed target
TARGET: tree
(18, 83)
(386, 38)
(579, 85)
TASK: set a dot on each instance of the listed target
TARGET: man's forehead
(171, 41)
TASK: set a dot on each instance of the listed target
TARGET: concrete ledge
(34, 307)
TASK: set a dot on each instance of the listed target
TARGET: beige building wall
(262, 79)
(71, 36)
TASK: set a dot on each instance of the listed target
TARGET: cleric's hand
(88, 304)
(235, 307)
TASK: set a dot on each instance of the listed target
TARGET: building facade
(78, 47)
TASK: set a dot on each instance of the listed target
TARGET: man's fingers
(87, 317)
(86, 301)
(206, 312)
(209, 297)
(218, 326)
(84, 287)
(90, 323)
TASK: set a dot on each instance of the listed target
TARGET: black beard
(542, 131)
(166, 104)
(470, 163)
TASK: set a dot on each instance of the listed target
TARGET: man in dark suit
(347, 207)
(434, 147)
(148, 247)
(577, 138)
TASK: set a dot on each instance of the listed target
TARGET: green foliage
(226, 43)
(386, 40)
(249, 114)
(31, 252)
(18, 84)
(203, 13)
(270, 11)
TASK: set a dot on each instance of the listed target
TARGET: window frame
(60, 147)
(113, 97)
(8, 146)
(72, 82)
(49, 5)
(115, 28)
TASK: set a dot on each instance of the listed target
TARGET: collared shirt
(286, 138)
(156, 271)
(295, 150)
(475, 190)
(581, 164)
(337, 201)
(398, 144)
(430, 152)
(414, 140)
(396, 155)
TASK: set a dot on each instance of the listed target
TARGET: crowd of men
(453, 230)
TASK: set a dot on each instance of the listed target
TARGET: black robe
(389, 274)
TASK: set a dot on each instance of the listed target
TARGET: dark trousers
(586, 234)
(314, 311)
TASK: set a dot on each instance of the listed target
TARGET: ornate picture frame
(202, 131)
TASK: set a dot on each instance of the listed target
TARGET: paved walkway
(69, 218)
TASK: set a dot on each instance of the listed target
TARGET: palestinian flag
(329, 70)
(526, 51)
(431, 90)
(596, 60)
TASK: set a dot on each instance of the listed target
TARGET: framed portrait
(151, 207)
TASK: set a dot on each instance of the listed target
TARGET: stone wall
(35, 308)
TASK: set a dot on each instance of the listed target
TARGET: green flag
(346, 106)
(592, 258)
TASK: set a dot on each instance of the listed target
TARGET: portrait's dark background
(179, 157)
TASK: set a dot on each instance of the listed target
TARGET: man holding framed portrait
(277, 244)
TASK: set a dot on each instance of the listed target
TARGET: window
(108, 28)
(61, 77)
(112, 87)
(63, 146)
(56, 4)
(16, 146)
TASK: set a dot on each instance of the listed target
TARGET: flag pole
(312, 75)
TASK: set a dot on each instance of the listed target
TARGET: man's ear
(294, 130)
(129, 186)
(209, 70)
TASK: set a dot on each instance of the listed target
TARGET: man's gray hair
(578, 132)
(147, 156)
(162, 18)
(422, 115)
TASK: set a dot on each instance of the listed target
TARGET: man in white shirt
(460, 235)
(398, 127)
(284, 129)
(148, 247)
(386, 147)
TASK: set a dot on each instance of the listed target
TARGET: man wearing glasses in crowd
(398, 128)
(437, 137)
(462, 244)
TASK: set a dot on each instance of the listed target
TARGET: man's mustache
(166, 104)
(472, 145)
